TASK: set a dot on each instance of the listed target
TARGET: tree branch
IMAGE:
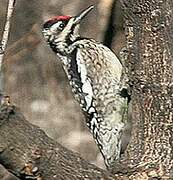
(5, 36)
(27, 151)
(17, 51)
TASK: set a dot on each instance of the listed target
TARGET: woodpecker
(94, 73)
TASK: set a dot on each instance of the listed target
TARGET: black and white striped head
(63, 28)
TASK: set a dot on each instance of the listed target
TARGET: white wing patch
(86, 87)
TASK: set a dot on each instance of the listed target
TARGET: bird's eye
(62, 25)
(59, 26)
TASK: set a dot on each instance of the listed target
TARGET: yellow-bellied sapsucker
(94, 73)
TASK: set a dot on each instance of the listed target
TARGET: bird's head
(64, 28)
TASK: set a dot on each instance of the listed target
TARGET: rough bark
(5, 175)
(149, 31)
(26, 150)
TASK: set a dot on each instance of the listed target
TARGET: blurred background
(34, 77)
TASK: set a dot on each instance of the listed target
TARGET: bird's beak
(79, 17)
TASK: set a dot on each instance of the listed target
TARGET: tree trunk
(149, 33)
